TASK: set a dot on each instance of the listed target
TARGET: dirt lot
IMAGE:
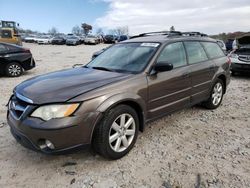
(192, 148)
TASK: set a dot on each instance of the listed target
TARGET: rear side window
(6, 34)
(173, 53)
(213, 50)
(195, 52)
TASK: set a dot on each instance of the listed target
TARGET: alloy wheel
(14, 70)
(217, 94)
(122, 132)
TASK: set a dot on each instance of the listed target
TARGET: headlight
(55, 111)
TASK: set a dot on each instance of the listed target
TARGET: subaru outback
(108, 101)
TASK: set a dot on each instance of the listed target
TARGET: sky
(209, 16)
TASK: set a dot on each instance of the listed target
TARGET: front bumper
(239, 66)
(58, 42)
(65, 133)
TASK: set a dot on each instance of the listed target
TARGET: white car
(240, 56)
(44, 40)
(91, 40)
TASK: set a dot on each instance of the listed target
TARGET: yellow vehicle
(9, 33)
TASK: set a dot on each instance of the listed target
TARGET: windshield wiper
(102, 68)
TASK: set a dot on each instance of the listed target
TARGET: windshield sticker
(150, 44)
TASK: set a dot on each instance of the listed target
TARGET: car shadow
(245, 76)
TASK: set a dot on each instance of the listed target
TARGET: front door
(169, 91)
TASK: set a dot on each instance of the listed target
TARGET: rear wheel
(216, 95)
(13, 69)
(116, 134)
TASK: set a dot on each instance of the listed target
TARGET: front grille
(17, 107)
(245, 58)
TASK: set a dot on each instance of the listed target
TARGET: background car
(122, 38)
(109, 39)
(44, 40)
(58, 40)
(240, 56)
(30, 39)
(15, 59)
(91, 39)
(73, 40)
(82, 37)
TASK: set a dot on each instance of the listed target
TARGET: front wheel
(116, 134)
(13, 69)
(216, 95)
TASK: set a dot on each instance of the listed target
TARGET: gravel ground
(191, 148)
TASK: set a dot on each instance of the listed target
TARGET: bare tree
(53, 31)
(86, 28)
(76, 30)
(119, 31)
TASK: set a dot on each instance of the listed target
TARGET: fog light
(49, 144)
(45, 144)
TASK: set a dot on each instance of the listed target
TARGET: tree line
(80, 30)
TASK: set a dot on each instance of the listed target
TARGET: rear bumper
(29, 64)
(58, 42)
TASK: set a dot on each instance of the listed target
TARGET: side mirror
(163, 66)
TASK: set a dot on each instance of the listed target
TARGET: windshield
(125, 57)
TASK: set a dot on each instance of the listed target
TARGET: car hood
(64, 85)
(244, 40)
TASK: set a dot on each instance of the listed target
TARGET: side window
(195, 52)
(2, 48)
(173, 53)
(6, 34)
(213, 50)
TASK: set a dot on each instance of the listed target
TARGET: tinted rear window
(213, 50)
(195, 52)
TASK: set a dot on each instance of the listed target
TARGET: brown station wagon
(108, 101)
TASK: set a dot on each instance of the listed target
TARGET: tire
(112, 141)
(13, 69)
(216, 95)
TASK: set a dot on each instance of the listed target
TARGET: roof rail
(194, 33)
(168, 33)
(171, 34)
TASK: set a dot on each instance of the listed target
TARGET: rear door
(202, 71)
(169, 91)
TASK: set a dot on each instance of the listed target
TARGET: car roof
(166, 38)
